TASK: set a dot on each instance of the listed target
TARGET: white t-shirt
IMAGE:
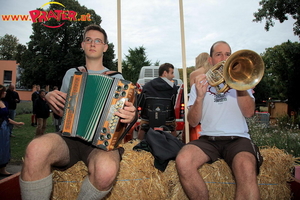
(70, 73)
(221, 115)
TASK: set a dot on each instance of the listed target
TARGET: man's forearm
(246, 103)
(195, 113)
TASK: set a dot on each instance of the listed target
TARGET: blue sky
(155, 25)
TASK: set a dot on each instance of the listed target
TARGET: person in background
(52, 150)
(163, 87)
(224, 135)
(201, 67)
(42, 112)
(34, 96)
(12, 98)
(5, 133)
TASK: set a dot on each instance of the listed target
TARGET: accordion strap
(108, 73)
(130, 125)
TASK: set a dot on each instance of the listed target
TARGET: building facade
(9, 75)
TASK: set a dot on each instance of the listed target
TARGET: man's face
(220, 53)
(42, 94)
(169, 75)
(91, 48)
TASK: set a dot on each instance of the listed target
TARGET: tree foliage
(279, 10)
(52, 51)
(281, 79)
(132, 63)
(20, 51)
(8, 47)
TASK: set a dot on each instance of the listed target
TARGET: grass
(285, 135)
(24, 134)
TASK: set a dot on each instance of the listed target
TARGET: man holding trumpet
(224, 135)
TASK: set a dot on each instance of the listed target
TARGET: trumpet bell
(243, 70)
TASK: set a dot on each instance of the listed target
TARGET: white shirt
(221, 115)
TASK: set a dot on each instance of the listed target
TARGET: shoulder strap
(114, 73)
(84, 68)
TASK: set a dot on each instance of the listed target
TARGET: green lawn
(23, 135)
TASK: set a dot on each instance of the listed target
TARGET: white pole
(119, 36)
(186, 124)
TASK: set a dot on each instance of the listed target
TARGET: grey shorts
(226, 147)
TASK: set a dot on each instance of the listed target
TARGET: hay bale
(139, 179)
(275, 173)
(66, 184)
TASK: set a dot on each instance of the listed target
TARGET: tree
(279, 10)
(282, 73)
(8, 47)
(52, 51)
(20, 51)
(109, 56)
(132, 64)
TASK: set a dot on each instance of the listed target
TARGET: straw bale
(66, 184)
(275, 173)
(139, 179)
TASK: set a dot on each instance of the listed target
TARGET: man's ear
(105, 48)
(82, 46)
(210, 60)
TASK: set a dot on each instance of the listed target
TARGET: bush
(24, 107)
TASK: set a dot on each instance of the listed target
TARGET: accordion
(91, 102)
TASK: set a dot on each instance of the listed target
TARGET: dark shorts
(226, 147)
(79, 150)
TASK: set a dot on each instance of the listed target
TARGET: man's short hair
(164, 67)
(41, 91)
(95, 27)
(213, 46)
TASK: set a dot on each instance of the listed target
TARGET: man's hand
(56, 100)
(128, 113)
(201, 85)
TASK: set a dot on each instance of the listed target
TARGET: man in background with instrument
(224, 135)
(54, 151)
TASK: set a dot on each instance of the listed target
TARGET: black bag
(162, 145)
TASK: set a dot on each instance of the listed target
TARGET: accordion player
(91, 102)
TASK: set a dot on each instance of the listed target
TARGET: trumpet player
(224, 135)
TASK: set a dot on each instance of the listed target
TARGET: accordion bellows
(89, 111)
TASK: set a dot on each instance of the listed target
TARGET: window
(7, 77)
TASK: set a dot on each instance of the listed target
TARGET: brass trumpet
(242, 70)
